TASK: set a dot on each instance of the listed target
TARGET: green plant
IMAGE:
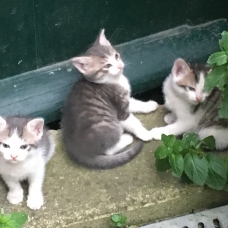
(218, 77)
(186, 159)
(120, 221)
(13, 220)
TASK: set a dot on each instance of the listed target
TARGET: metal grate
(213, 218)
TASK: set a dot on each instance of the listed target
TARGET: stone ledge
(77, 197)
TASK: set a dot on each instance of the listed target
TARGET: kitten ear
(83, 64)
(35, 127)
(101, 39)
(180, 69)
(3, 124)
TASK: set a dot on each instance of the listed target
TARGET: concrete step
(76, 197)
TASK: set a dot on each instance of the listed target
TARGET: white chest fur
(123, 81)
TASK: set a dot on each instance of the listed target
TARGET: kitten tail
(110, 161)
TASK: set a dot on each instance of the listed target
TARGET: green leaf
(223, 43)
(123, 220)
(5, 218)
(223, 111)
(20, 218)
(196, 168)
(216, 78)
(190, 138)
(208, 142)
(162, 165)
(217, 172)
(168, 140)
(161, 152)
(115, 218)
(177, 164)
(178, 146)
(226, 185)
(118, 219)
(13, 220)
(217, 58)
(13, 224)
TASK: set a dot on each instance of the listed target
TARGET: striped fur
(97, 111)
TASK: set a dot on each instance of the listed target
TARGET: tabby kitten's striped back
(97, 111)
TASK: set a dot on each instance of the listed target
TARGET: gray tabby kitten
(98, 110)
(191, 108)
(25, 148)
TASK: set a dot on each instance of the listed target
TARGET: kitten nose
(120, 66)
(198, 98)
(13, 157)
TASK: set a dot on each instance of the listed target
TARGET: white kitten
(25, 148)
(191, 108)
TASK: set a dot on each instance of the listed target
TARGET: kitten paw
(150, 106)
(127, 139)
(145, 136)
(35, 202)
(158, 131)
(169, 118)
(15, 197)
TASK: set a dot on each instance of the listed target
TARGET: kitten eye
(5, 145)
(117, 56)
(108, 65)
(191, 88)
(23, 147)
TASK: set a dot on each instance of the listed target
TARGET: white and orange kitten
(191, 108)
(25, 148)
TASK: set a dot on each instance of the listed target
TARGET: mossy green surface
(76, 197)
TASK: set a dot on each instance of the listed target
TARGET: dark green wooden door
(36, 33)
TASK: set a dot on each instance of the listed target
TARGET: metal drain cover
(213, 218)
